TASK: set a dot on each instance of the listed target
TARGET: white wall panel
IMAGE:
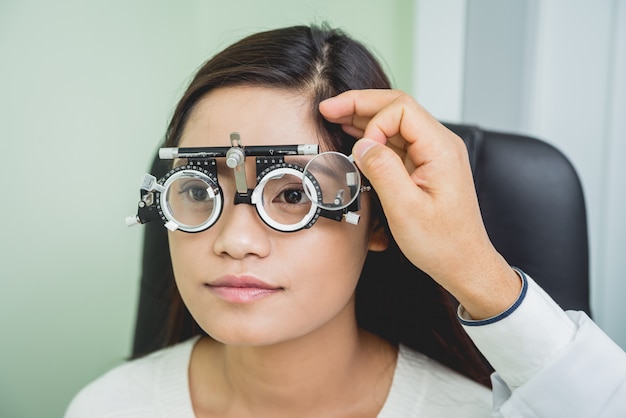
(612, 291)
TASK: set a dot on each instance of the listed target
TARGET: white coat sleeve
(550, 363)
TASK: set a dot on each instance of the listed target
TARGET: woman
(277, 305)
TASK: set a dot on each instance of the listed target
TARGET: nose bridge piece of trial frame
(236, 159)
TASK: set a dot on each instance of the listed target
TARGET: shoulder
(424, 387)
(140, 387)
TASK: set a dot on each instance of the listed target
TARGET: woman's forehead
(261, 116)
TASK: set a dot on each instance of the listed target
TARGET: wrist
(488, 291)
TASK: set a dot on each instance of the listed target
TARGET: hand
(425, 185)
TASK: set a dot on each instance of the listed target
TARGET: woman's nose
(241, 233)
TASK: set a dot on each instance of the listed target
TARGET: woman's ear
(379, 240)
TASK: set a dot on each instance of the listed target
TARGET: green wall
(86, 88)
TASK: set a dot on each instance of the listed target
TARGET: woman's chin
(244, 336)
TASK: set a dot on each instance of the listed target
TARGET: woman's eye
(196, 194)
(292, 196)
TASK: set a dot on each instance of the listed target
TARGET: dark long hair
(394, 299)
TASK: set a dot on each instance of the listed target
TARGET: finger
(383, 112)
(360, 122)
(395, 143)
(352, 131)
(390, 117)
(403, 118)
(343, 107)
(387, 173)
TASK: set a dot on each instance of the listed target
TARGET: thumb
(386, 172)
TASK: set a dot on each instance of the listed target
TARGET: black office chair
(532, 205)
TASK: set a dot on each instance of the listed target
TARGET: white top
(549, 364)
(157, 386)
(422, 387)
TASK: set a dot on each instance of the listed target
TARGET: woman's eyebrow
(300, 161)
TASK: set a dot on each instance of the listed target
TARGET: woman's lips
(242, 289)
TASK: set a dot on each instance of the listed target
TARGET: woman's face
(243, 282)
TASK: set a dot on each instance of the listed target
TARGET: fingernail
(362, 146)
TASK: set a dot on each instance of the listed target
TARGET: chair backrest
(532, 205)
